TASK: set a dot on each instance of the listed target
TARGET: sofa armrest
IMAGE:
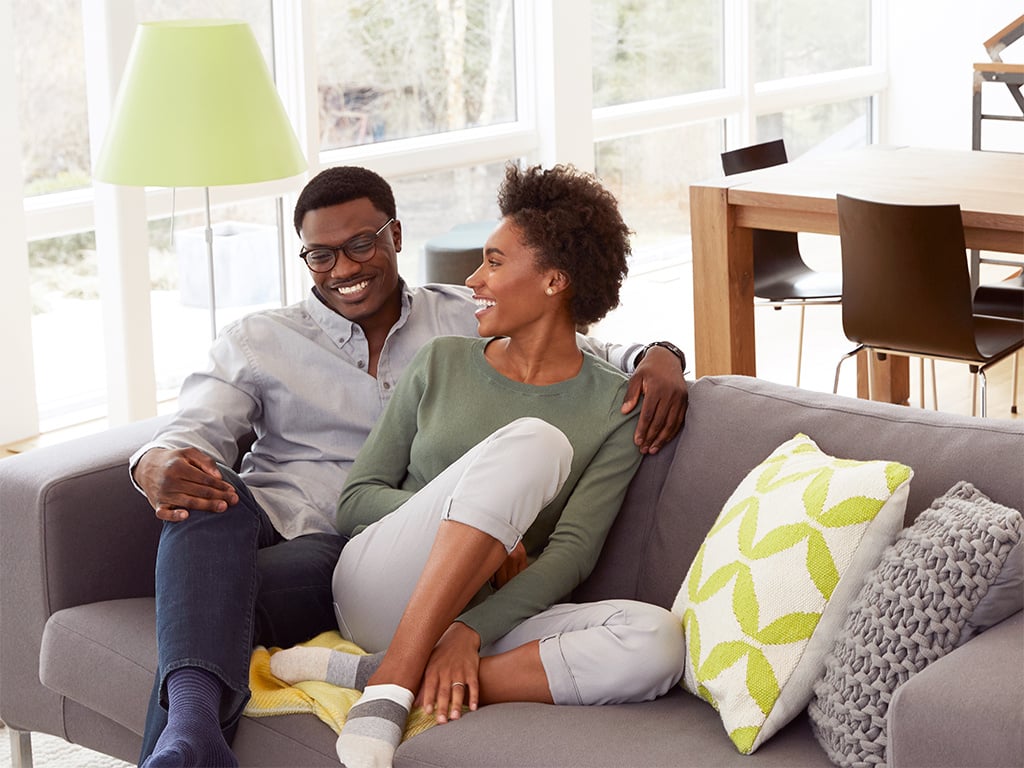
(965, 708)
(73, 530)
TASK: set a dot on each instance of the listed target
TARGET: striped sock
(192, 736)
(349, 670)
(374, 727)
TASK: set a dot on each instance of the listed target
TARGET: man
(248, 558)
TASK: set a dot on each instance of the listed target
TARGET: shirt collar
(340, 328)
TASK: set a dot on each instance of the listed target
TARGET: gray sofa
(77, 547)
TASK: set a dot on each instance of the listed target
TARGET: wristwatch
(664, 345)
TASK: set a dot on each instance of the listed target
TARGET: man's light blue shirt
(296, 376)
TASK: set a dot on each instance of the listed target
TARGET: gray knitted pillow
(914, 608)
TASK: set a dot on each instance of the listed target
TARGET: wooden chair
(781, 277)
(907, 289)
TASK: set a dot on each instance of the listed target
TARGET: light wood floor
(656, 304)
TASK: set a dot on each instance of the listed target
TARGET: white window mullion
(122, 241)
(741, 129)
(564, 87)
(795, 92)
(880, 61)
(295, 76)
(20, 417)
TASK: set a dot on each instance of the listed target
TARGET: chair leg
(800, 347)
(843, 359)
(1016, 375)
(974, 395)
(871, 374)
(21, 749)
(984, 393)
(920, 383)
(935, 388)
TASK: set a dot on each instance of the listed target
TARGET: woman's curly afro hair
(574, 225)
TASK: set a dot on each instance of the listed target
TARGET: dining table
(800, 196)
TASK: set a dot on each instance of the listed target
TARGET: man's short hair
(341, 184)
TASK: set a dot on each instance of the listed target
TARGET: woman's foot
(348, 670)
(374, 727)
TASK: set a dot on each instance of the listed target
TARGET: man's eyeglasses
(359, 249)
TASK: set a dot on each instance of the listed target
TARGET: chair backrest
(775, 253)
(763, 155)
(906, 284)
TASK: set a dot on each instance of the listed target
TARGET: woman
(484, 494)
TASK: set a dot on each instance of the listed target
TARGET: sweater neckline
(495, 376)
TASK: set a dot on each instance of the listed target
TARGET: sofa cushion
(772, 581)
(733, 422)
(103, 655)
(913, 609)
(672, 731)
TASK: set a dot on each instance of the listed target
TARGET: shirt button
(360, 365)
(387, 385)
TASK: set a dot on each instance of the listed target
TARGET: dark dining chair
(1005, 299)
(781, 277)
(907, 290)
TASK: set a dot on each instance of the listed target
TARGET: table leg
(892, 378)
(723, 286)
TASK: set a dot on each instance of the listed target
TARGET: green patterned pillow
(772, 582)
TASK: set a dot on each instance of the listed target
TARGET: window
(650, 50)
(650, 174)
(51, 95)
(246, 278)
(820, 127)
(793, 38)
(436, 95)
(398, 70)
(66, 327)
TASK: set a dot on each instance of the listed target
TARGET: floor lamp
(197, 107)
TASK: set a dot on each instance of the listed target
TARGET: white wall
(933, 45)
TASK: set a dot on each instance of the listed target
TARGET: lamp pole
(209, 267)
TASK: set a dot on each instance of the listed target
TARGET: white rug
(52, 752)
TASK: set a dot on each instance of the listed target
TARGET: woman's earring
(551, 291)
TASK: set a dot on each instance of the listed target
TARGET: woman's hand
(452, 676)
(660, 380)
(512, 566)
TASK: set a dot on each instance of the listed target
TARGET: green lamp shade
(197, 107)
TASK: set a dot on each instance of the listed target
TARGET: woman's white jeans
(606, 652)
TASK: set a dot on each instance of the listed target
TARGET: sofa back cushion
(733, 422)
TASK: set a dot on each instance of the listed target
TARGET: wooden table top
(800, 196)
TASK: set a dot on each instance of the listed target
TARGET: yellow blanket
(330, 703)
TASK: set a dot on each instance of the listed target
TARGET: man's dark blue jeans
(226, 581)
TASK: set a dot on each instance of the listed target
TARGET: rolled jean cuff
(485, 522)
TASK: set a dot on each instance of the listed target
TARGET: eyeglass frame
(361, 258)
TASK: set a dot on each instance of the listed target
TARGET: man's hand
(452, 676)
(513, 564)
(659, 379)
(180, 479)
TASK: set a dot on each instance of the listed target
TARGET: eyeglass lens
(359, 249)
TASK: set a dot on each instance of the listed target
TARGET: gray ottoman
(455, 255)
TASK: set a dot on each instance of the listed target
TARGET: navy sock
(193, 736)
